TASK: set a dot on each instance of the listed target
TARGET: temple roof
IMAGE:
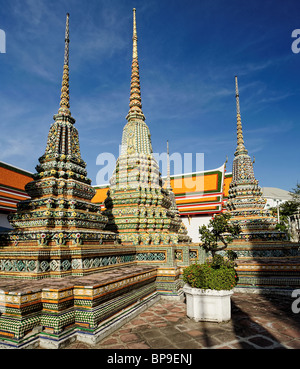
(12, 186)
(14, 179)
(190, 195)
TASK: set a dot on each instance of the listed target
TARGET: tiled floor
(257, 322)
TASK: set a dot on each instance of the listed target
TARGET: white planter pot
(207, 305)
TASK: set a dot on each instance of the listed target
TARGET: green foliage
(219, 229)
(288, 208)
(232, 255)
(217, 261)
(282, 226)
(215, 274)
(296, 194)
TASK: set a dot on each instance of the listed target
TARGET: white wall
(193, 223)
(272, 203)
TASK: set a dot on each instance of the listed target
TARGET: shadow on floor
(249, 332)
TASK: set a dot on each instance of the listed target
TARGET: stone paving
(258, 322)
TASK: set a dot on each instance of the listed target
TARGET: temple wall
(193, 223)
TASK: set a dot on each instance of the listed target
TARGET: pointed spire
(240, 139)
(168, 187)
(135, 103)
(65, 98)
(134, 37)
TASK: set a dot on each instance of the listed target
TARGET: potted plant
(208, 287)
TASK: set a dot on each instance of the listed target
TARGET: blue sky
(189, 53)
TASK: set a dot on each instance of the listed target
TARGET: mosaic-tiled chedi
(58, 230)
(138, 207)
(266, 257)
(245, 201)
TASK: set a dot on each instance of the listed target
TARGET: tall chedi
(266, 259)
(138, 207)
(58, 224)
(245, 201)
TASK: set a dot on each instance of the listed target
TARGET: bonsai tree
(217, 273)
(218, 234)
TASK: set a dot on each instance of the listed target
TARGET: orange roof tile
(101, 194)
(13, 177)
